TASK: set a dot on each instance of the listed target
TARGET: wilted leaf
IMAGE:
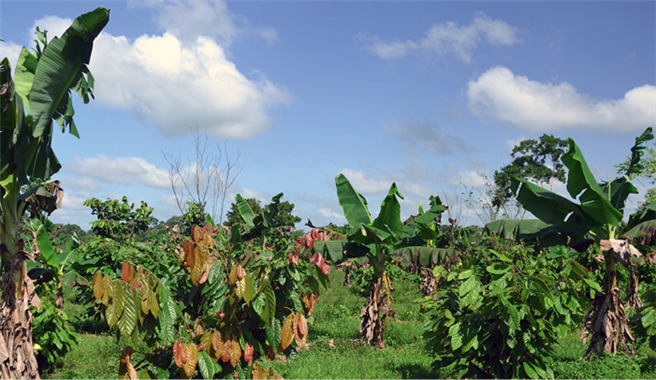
(286, 332)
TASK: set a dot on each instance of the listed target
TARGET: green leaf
(60, 65)
(248, 289)
(207, 366)
(390, 212)
(270, 307)
(530, 370)
(215, 275)
(510, 314)
(580, 180)
(593, 284)
(498, 268)
(355, 208)
(648, 318)
(44, 244)
(110, 315)
(128, 321)
(273, 333)
(245, 211)
(456, 336)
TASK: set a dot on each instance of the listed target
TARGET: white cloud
(122, 170)
(470, 178)
(447, 39)
(365, 184)
(188, 19)
(331, 216)
(541, 107)
(178, 83)
(179, 86)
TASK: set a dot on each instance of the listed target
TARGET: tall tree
(40, 93)
(534, 160)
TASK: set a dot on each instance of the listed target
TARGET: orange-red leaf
(226, 352)
(286, 332)
(178, 354)
(127, 271)
(240, 272)
(248, 353)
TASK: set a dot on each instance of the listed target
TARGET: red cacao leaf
(127, 271)
(240, 272)
(248, 353)
(226, 352)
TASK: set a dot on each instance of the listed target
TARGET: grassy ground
(335, 351)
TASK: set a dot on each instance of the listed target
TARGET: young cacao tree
(40, 93)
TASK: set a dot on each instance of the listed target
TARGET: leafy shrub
(500, 316)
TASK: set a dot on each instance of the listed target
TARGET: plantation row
(200, 299)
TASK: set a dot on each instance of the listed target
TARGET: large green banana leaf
(245, 210)
(353, 204)
(390, 212)
(61, 67)
(580, 180)
(425, 257)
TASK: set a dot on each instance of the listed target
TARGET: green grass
(96, 357)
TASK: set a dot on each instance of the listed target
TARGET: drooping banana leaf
(515, 229)
(582, 184)
(642, 225)
(425, 257)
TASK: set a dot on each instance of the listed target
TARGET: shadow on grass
(412, 371)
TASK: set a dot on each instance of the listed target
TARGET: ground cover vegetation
(250, 297)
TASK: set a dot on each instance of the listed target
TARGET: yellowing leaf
(153, 303)
(98, 285)
(248, 289)
(232, 278)
(286, 332)
(236, 353)
(191, 353)
(217, 343)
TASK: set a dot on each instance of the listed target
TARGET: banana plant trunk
(374, 314)
(609, 323)
(17, 356)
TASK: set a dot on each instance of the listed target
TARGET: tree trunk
(17, 358)
(376, 311)
(609, 323)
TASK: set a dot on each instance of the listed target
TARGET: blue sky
(430, 95)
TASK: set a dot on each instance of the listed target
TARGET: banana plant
(40, 93)
(594, 219)
(381, 236)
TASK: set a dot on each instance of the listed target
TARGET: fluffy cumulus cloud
(178, 85)
(121, 170)
(447, 38)
(426, 134)
(181, 79)
(541, 107)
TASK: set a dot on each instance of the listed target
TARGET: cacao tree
(249, 298)
(39, 94)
